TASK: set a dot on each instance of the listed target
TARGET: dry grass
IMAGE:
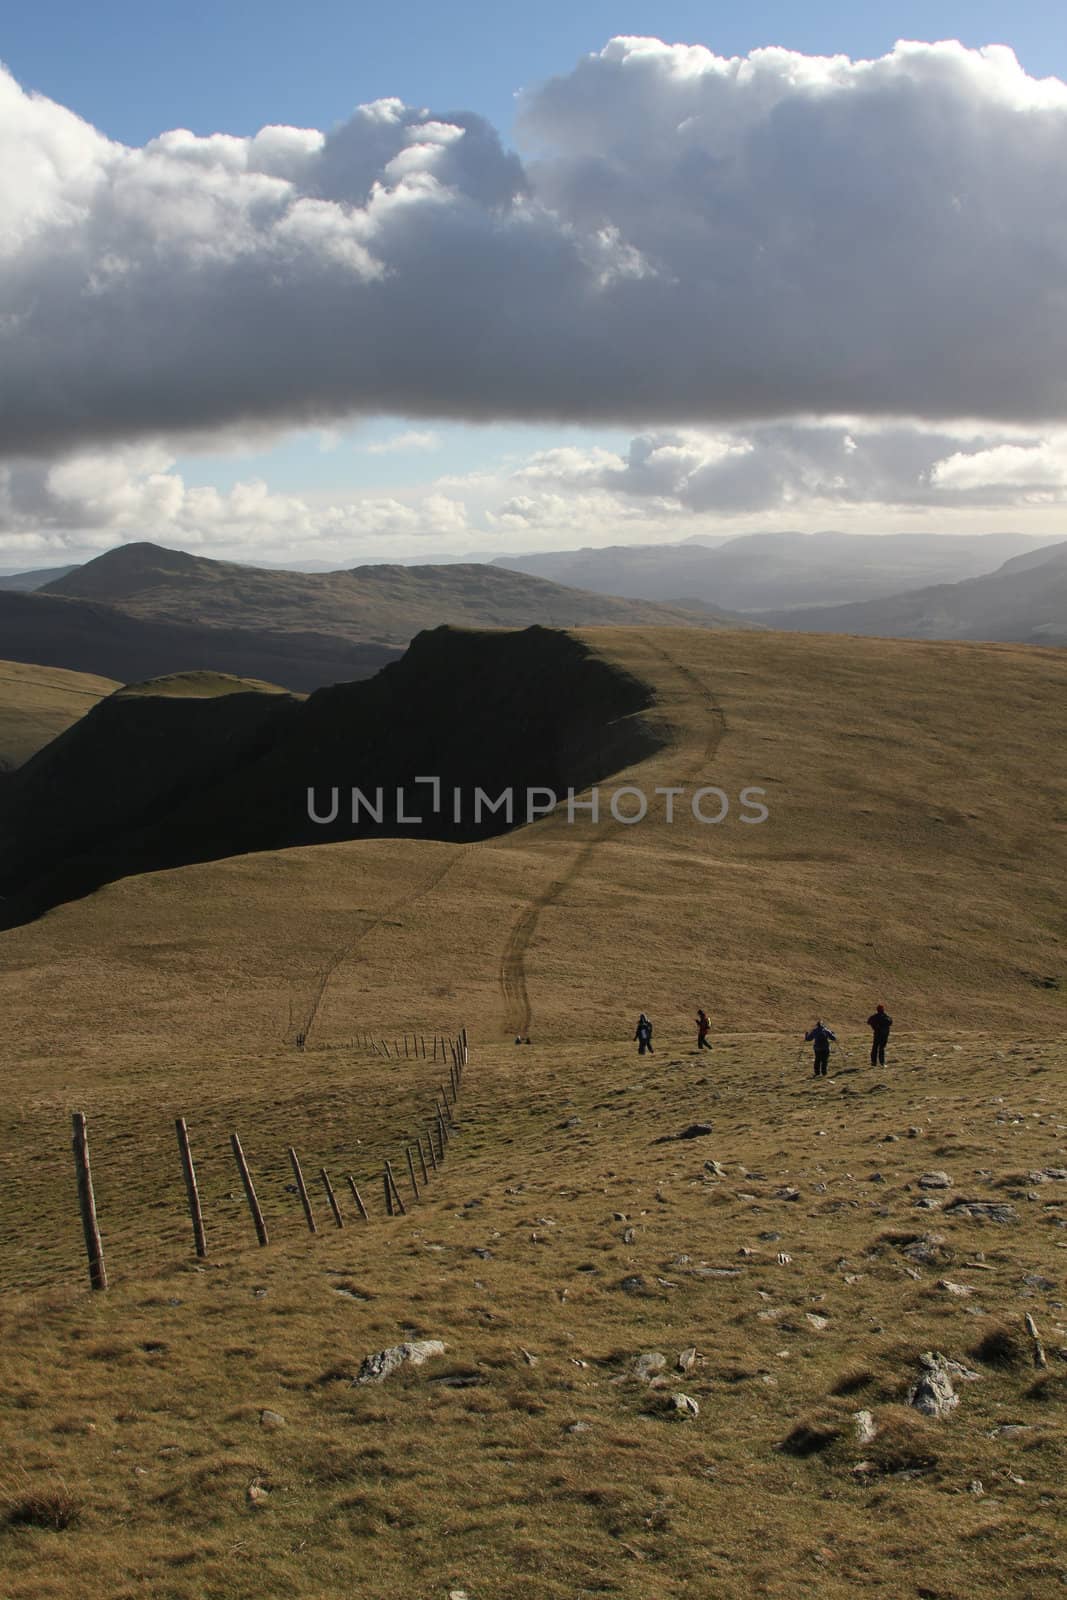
(529, 1463)
(38, 703)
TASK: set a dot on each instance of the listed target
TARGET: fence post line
(249, 1189)
(331, 1197)
(411, 1172)
(396, 1192)
(305, 1200)
(191, 1190)
(357, 1197)
(87, 1203)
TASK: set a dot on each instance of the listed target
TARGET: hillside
(896, 851)
(33, 580)
(197, 1430)
(86, 636)
(167, 774)
(37, 703)
(777, 571)
(1025, 600)
(375, 604)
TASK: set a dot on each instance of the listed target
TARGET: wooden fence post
(433, 1156)
(331, 1197)
(249, 1189)
(191, 1190)
(422, 1160)
(411, 1171)
(396, 1192)
(385, 1047)
(423, 1039)
(357, 1197)
(441, 1134)
(87, 1201)
(388, 1193)
(305, 1201)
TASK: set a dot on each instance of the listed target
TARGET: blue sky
(134, 72)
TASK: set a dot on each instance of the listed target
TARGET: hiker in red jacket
(703, 1029)
(879, 1024)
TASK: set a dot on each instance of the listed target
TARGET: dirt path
(518, 1011)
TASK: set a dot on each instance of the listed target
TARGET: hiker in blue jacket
(819, 1038)
(644, 1035)
(879, 1023)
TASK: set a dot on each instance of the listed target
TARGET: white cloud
(692, 242)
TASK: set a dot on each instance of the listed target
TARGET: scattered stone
(618, 1216)
(273, 1420)
(458, 1594)
(976, 1486)
(933, 1394)
(1034, 1280)
(783, 1258)
(629, 1235)
(954, 1288)
(1010, 1430)
(914, 1133)
(530, 1360)
(634, 1284)
(257, 1494)
(788, 1193)
(983, 1210)
(684, 1406)
(579, 1427)
(688, 1359)
(482, 1253)
(716, 1169)
(817, 1321)
(935, 1180)
(571, 1122)
(378, 1367)
(865, 1428)
(646, 1365)
(927, 1203)
(891, 1138)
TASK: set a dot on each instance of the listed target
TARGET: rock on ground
(377, 1368)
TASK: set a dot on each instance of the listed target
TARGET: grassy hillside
(913, 855)
(1025, 601)
(86, 636)
(37, 703)
(379, 604)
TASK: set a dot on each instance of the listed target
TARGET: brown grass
(171, 995)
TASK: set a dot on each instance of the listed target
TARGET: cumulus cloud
(664, 485)
(690, 241)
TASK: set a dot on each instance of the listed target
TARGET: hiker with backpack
(644, 1035)
(820, 1038)
(703, 1029)
(879, 1023)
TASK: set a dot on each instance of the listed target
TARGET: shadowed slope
(37, 703)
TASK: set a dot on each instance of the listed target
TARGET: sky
(430, 282)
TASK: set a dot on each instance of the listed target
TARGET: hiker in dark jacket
(819, 1038)
(644, 1035)
(703, 1029)
(879, 1024)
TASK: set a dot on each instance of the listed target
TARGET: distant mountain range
(143, 611)
(776, 571)
(1024, 601)
(32, 580)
